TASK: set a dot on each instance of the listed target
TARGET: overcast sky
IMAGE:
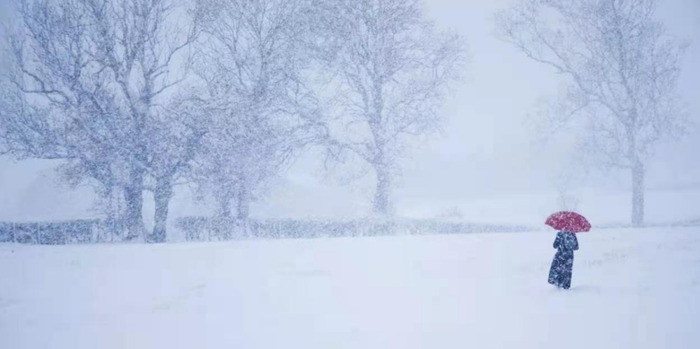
(488, 147)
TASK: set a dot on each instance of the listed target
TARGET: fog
(489, 147)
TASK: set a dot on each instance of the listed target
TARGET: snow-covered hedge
(50, 233)
(206, 228)
(213, 229)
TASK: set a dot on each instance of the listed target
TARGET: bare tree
(391, 71)
(251, 60)
(90, 73)
(175, 138)
(622, 68)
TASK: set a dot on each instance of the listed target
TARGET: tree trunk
(133, 195)
(383, 191)
(224, 202)
(162, 195)
(223, 219)
(637, 171)
(243, 203)
(382, 195)
(638, 175)
(111, 213)
(243, 199)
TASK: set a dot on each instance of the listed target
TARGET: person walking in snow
(560, 272)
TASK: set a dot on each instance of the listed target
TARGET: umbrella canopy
(568, 221)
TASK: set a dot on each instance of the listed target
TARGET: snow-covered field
(631, 289)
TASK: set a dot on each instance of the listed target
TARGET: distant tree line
(144, 95)
(138, 96)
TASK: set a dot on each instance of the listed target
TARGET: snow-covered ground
(631, 289)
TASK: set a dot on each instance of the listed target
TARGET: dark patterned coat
(563, 263)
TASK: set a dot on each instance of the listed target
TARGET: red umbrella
(568, 221)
